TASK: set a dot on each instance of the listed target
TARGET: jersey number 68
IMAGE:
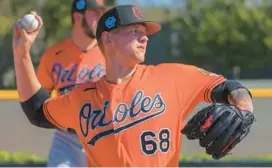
(151, 141)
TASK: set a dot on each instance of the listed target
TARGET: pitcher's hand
(22, 41)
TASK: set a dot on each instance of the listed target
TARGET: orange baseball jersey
(64, 65)
(137, 122)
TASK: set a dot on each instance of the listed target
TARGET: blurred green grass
(20, 157)
(23, 157)
(229, 158)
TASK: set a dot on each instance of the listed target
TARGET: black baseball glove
(219, 128)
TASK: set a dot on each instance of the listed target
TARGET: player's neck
(83, 42)
(116, 73)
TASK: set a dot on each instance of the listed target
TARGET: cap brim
(152, 27)
(96, 7)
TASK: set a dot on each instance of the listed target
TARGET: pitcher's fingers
(40, 21)
(17, 29)
(24, 33)
(33, 12)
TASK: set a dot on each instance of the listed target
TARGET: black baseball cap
(124, 15)
(82, 5)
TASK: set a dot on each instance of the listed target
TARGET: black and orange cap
(82, 5)
(124, 15)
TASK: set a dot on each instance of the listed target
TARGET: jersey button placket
(117, 91)
(115, 101)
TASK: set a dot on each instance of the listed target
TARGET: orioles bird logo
(110, 22)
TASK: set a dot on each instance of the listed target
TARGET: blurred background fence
(230, 37)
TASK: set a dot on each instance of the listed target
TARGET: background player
(134, 114)
(72, 61)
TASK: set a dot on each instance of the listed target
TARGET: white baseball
(29, 23)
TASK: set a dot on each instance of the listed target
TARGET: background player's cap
(82, 5)
(124, 15)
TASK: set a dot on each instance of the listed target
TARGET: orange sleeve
(43, 73)
(61, 110)
(194, 85)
